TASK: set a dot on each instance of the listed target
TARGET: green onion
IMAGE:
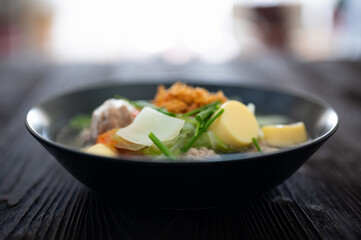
(141, 104)
(190, 143)
(204, 114)
(116, 96)
(162, 147)
(198, 126)
(255, 142)
(213, 104)
(210, 121)
(201, 131)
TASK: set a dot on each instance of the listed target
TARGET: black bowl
(183, 184)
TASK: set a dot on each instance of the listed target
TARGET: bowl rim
(223, 158)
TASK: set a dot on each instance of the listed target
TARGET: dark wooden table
(39, 199)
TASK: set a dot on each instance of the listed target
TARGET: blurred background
(178, 31)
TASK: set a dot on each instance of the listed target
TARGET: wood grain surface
(39, 199)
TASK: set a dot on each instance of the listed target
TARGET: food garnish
(181, 98)
(255, 142)
(161, 146)
(201, 130)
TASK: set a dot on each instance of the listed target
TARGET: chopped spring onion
(141, 104)
(201, 130)
(161, 146)
(198, 126)
(204, 114)
(213, 104)
(210, 121)
(255, 142)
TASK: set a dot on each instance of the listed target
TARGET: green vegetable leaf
(80, 121)
(211, 141)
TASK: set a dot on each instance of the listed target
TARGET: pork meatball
(113, 113)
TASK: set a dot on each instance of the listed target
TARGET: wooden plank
(40, 200)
